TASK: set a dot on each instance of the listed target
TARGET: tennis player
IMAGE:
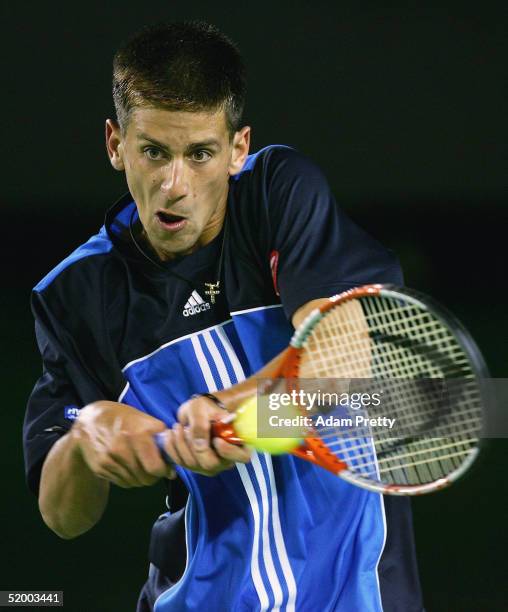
(158, 324)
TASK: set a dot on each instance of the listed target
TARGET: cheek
(212, 192)
(130, 174)
(216, 183)
(140, 179)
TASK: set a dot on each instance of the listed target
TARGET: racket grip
(225, 430)
(158, 438)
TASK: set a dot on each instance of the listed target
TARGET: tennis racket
(402, 343)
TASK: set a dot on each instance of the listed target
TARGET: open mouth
(169, 218)
(170, 221)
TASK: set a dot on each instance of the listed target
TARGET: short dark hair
(189, 66)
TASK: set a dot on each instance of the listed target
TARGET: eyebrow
(212, 142)
(152, 140)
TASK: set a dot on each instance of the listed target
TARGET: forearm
(72, 498)
(110, 442)
(235, 395)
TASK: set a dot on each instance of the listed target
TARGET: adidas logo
(194, 305)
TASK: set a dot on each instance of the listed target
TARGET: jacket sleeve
(320, 251)
(67, 384)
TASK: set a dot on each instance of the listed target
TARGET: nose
(174, 183)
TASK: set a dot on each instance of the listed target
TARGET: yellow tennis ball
(246, 426)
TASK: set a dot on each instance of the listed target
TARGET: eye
(153, 153)
(200, 156)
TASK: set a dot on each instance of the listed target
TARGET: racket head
(386, 333)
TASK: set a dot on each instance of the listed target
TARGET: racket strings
(421, 461)
(419, 447)
(387, 339)
(332, 341)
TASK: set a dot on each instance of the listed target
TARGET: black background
(405, 110)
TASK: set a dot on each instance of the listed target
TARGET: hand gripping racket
(422, 361)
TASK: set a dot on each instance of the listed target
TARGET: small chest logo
(274, 263)
(71, 412)
(194, 305)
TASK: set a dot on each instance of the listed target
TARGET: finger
(195, 415)
(207, 459)
(232, 452)
(123, 463)
(146, 479)
(182, 444)
(171, 450)
(117, 475)
(183, 413)
(177, 460)
(151, 464)
(117, 481)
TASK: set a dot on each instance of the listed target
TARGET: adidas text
(192, 310)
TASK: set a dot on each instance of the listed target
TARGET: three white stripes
(261, 525)
(194, 300)
(254, 561)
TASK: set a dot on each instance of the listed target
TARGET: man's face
(177, 165)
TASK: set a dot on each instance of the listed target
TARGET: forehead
(177, 128)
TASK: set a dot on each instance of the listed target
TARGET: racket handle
(158, 438)
(225, 430)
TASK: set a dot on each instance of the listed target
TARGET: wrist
(213, 397)
(233, 397)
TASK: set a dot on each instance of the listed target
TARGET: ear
(241, 143)
(114, 144)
